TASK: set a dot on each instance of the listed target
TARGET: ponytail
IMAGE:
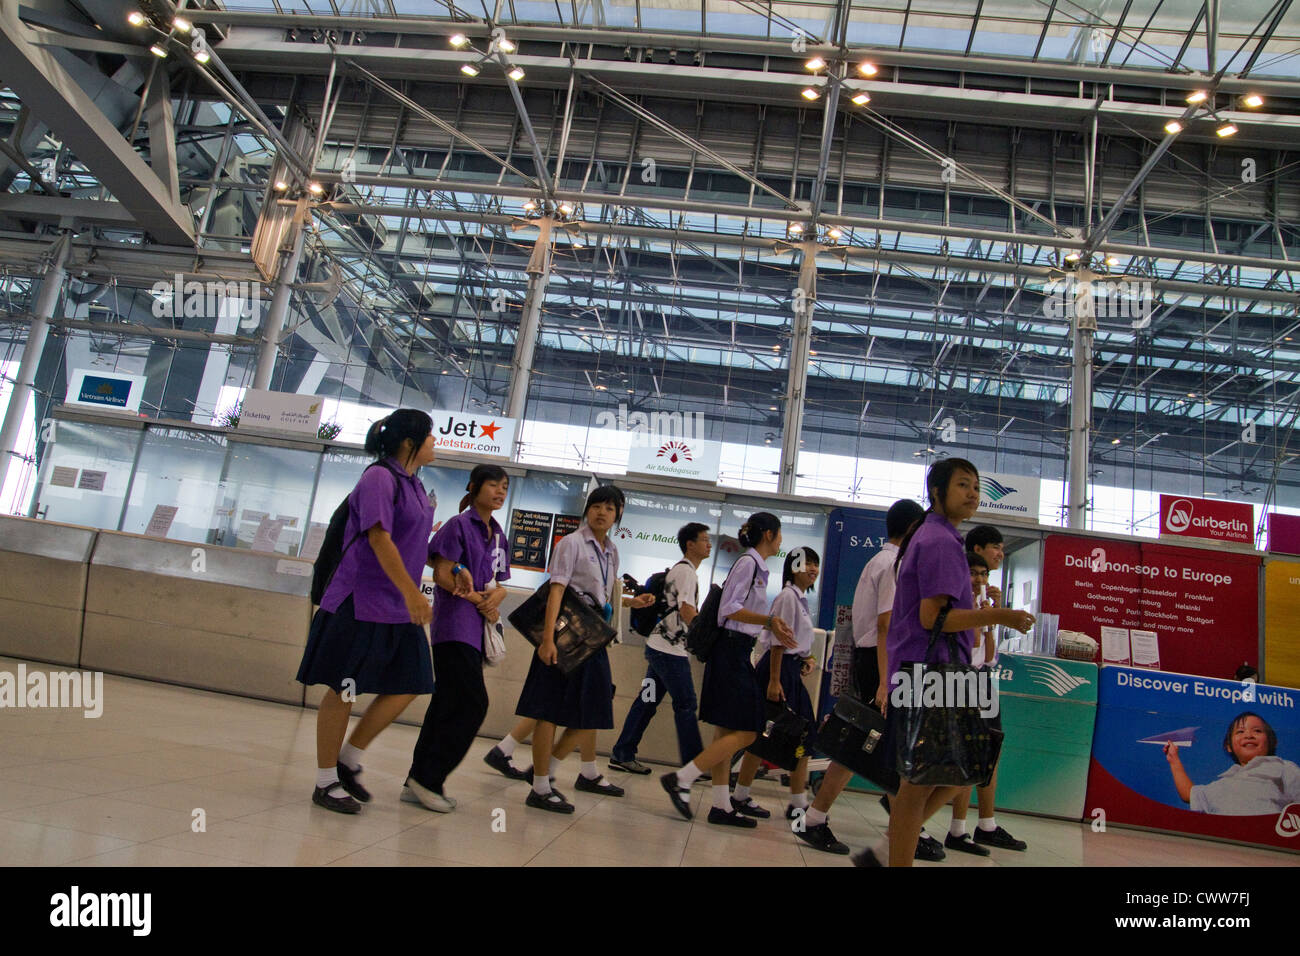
(385, 437)
(477, 479)
(756, 528)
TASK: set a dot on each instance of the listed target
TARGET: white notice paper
(92, 480)
(1114, 645)
(64, 477)
(315, 538)
(161, 522)
(268, 533)
(1146, 649)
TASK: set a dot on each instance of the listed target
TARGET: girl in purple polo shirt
(368, 635)
(730, 698)
(582, 702)
(933, 573)
(472, 539)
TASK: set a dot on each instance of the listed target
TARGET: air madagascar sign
(473, 432)
(1202, 606)
(1202, 518)
(675, 457)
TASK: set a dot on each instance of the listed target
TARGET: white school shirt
(681, 586)
(874, 595)
(1264, 785)
(791, 607)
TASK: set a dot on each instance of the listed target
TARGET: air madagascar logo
(995, 490)
(623, 533)
(675, 452)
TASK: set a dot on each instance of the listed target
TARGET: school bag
(705, 630)
(332, 547)
(644, 619)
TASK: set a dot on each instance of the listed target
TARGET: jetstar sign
(1203, 518)
(471, 432)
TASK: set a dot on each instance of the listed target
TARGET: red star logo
(490, 431)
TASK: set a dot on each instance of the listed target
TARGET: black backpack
(705, 630)
(332, 547)
(644, 619)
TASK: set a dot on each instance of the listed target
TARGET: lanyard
(603, 561)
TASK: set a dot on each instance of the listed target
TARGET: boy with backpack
(668, 662)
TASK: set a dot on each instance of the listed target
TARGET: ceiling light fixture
(811, 93)
(1114, 441)
(516, 74)
(867, 69)
(1252, 101)
(861, 99)
(834, 233)
(1227, 129)
(815, 64)
(1112, 261)
(1173, 127)
(281, 185)
(458, 40)
(203, 56)
(1072, 257)
(1199, 96)
(158, 51)
(180, 23)
(530, 206)
(135, 18)
(469, 69)
(315, 188)
(795, 228)
(506, 45)
(566, 208)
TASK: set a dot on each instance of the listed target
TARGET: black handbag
(783, 741)
(580, 630)
(950, 745)
(704, 629)
(854, 735)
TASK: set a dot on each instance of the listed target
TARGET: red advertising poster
(1202, 518)
(1201, 606)
(1283, 533)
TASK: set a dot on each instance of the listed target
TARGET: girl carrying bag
(855, 735)
(950, 745)
(580, 631)
(783, 740)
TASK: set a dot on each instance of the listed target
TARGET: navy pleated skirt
(582, 701)
(729, 696)
(379, 658)
(796, 694)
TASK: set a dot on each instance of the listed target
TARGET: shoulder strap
(397, 491)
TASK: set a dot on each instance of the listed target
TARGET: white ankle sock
(722, 798)
(541, 786)
(688, 775)
(988, 824)
(350, 757)
(957, 828)
(799, 800)
(814, 817)
(508, 745)
(589, 770)
(741, 793)
(329, 778)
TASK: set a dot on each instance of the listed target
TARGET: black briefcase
(854, 736)
(580, 631)
(783, 741)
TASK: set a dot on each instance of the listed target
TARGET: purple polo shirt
(465, 539)
(374, 597)
(933, 565)
(744, 590)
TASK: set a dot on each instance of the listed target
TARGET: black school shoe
(865, 858)
(321, 797)
(553, 801)
(794, 813)
(929, 850)
(599, 785)
(821, 838)
(730, 818)
(749, 808)
(681, 798)
(349, 782)
(499, 762)
(999, 838)
(964, 844)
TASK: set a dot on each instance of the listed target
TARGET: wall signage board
(675, 457)
(280, 412)
(114, 391)
(473, 432)
(1205, 518)
(1015, 496)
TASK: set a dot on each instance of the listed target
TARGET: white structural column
(1082, 330)
(273, 326)
(42, 312)
(521, 363)
(805, 299)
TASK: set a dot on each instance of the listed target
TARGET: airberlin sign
(1202, 518)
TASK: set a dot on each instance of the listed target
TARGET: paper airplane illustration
(1182, 737)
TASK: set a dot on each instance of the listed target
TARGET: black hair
(688, 533)
(384, 440)
(1246, 672)
(981, 536)
(480, 476)
(976, 561)
(1269, 733)
(801, 555)
(756, 528)
(937, 480)
(900, 517)
(604, 493)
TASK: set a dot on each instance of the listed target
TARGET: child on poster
(1259, 782)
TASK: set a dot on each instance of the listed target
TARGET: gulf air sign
(1211, 520)
(1011, 495)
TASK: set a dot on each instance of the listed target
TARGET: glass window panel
(265, 486)
(800, 527)
(537, 499)
(86, 474)
(178, 469)
(647, 537)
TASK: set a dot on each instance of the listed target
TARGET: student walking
(586, 561)
(368, 635)
(729, 696)
(779, 674)
(933, 574)
(473, 541)
(668, 665)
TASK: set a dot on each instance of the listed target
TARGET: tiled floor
(126, 789)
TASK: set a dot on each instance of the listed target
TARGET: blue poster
(99, 390)
(853, 537)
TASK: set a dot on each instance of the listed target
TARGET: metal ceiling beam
(44, 85)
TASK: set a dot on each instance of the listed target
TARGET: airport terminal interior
(730, 255)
